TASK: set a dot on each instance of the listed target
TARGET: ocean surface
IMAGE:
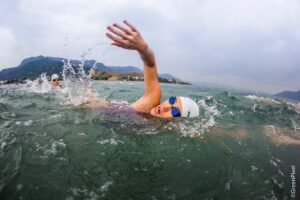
(242, 146)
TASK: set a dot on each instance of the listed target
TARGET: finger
(118, 33)
(130, 26)
(118, 44)
(125, 30)
(114, 38)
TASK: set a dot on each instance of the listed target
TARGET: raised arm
(128, 37)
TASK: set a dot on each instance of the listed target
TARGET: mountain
(289, 95)
(33, 67)
(170, 77)
(125, 69)
(40, 57)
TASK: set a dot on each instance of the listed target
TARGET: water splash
(196, 127)
(40, 85)
(260, 99)
(76, 81)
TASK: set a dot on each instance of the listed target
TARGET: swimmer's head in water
(176, 107)
(55, 80)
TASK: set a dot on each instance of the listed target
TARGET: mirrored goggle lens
(172, 100)
(175, 112)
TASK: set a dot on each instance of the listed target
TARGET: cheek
(167, 114)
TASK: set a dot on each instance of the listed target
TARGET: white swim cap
(54, 76)
(189, 107)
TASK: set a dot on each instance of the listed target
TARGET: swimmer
(128, 37)
(55, 81)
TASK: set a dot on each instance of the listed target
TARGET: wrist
(147, 56)
(144, 49)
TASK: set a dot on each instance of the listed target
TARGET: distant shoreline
(32, 68)
(8, 82)
(129, 76)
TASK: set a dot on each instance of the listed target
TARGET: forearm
(150, 70)
(147, 56)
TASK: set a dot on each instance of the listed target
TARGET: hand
(126, 37)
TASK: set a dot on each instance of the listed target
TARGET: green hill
(33, 67)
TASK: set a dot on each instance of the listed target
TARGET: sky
(249, 44)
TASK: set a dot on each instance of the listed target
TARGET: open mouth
(158, 110)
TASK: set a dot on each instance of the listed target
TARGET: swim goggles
(175, 111)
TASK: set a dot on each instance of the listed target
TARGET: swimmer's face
(55, 82)
(164, 110)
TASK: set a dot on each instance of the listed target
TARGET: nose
(167, 108)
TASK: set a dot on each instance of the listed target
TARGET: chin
(152, 112)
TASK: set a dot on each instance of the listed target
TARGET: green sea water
(50, 149)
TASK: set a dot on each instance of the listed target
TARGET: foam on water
(40, 85)
(263, 99)
(291, 105)
(195, 127)
(55, 116)
(253, 168)
(95, 194)
(110, 141)
(50, 150)
(28, 123)
(295, 125)
(294, 106)
(105, 186)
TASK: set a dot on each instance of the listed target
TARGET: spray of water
(40, 85)
(76, 76)
(76, 81)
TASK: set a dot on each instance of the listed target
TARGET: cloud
(248, 43)
(8, 41)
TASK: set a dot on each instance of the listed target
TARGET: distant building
(113, 78)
